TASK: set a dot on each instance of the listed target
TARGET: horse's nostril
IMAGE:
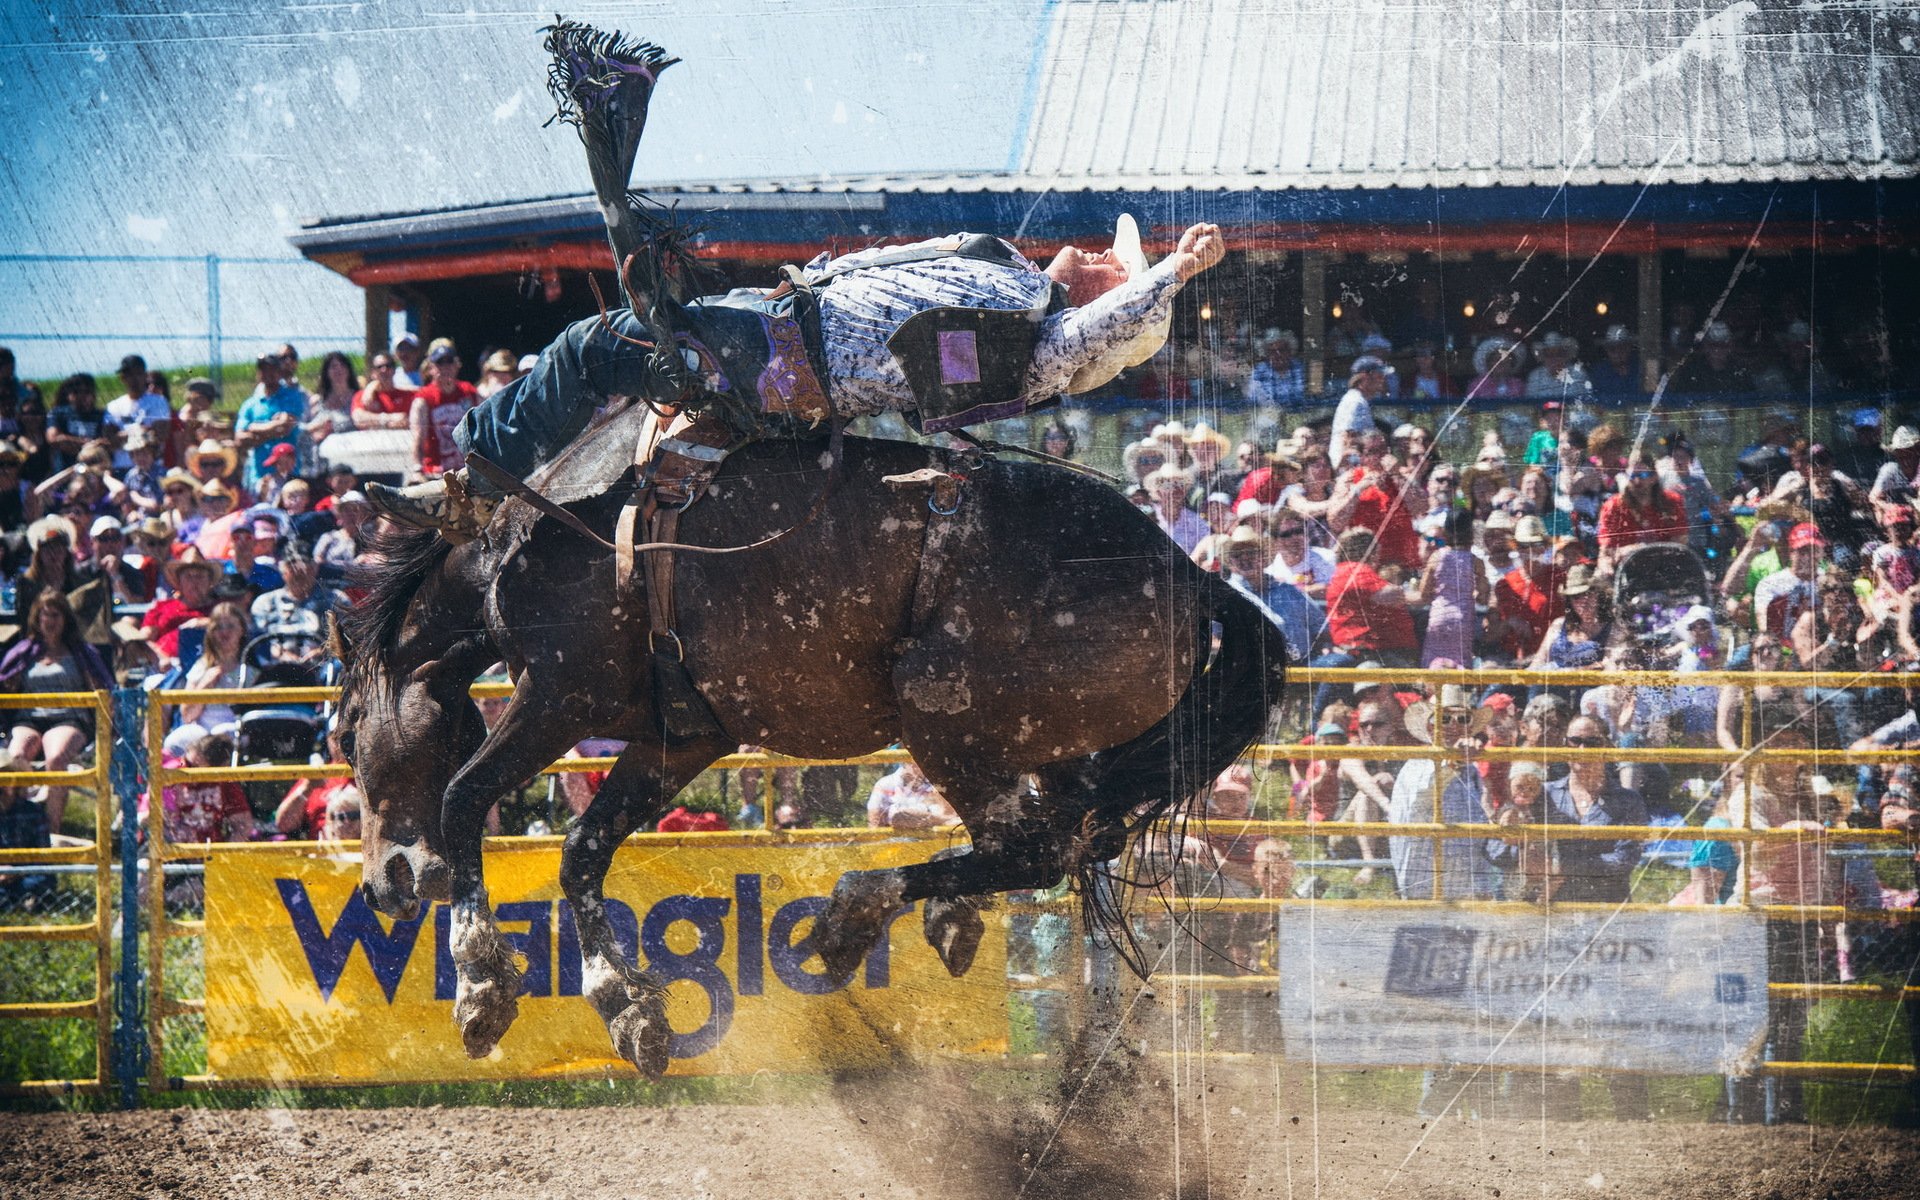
(436, 881)
(400, 876)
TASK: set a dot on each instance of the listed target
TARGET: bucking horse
(1060, 670)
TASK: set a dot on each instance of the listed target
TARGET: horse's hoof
(640, 1035)
(485, 1011)
(856, 916)
(954, 930)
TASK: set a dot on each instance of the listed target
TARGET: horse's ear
(336, 638)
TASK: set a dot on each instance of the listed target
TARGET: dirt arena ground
(933, 1138)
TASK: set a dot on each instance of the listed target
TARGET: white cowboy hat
(1127, 249)
(47, 526)
(1492, 348)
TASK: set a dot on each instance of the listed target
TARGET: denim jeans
(533, 418)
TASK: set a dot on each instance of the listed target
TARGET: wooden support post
(378, 307)
(1652, 321)
(1313, 317)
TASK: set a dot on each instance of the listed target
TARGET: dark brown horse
(1043, 652)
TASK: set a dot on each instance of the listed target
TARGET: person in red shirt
(385, 401)
(1527, 598)
(1643, 512)
(1382, 508)
(1266, 483)
(192, 578)
(436, 409)
(1367, 617)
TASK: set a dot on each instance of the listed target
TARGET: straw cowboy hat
(501, 361)
(1203, 432)
(179, 477)
(212, 448)
(1556, 342)
(190, 560)
(1420, 714)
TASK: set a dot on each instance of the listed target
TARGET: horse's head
(412, 647)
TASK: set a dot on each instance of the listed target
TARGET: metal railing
(98, 859)
(160, 854)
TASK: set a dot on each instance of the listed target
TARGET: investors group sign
(306, 983)
(1672, 992)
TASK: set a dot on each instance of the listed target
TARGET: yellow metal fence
(99, 856)
(160, 1005)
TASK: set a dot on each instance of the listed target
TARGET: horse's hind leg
(630, 1002)
(1017, 843)
(530, 734)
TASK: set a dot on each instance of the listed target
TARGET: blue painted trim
(130, 1047)
(1030, 96)
(1049, 215)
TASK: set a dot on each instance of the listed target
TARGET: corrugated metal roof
(1259, 94)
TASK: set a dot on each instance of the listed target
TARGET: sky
(198, 127)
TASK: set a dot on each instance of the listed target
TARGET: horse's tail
(1226, 707)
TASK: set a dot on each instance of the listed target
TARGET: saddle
(677, 457)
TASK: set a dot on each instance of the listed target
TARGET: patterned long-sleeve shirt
(861, 310)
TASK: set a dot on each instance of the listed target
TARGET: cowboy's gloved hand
(1201, 246)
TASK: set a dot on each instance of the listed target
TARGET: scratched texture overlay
(1710, 209)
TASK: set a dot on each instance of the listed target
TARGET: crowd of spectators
(191, 545)
(1265, 368)
(1592, 547)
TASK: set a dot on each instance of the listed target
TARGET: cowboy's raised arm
(1107, 324)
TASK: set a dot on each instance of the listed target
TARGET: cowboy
(953, 331)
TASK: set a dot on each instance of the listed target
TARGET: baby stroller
(1653, 586)
(272, 732)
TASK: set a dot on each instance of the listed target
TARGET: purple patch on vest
(959, 356)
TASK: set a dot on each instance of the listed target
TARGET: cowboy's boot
(449, 504)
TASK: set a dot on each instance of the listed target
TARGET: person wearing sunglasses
(1466, 871)
(1643, 512)
(384, 402)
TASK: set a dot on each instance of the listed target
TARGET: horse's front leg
(529, 735)
(630, 1002)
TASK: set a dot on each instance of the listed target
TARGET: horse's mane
(399, 560)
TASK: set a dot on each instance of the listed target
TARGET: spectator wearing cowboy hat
(212, 459)
(1168, 488)
(1896, 479)
(1300, 620)
(1207, 448)
(1466, 872)
(222, 511)
(496, 372)
(1527, 598)
(1711, 367)
(1559, 376)
(180, 493)
(191, 578)
(1496, 364)
(1617, 374)
(1278, 380)
(142, 477)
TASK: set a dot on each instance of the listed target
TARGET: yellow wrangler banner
(307, 984)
